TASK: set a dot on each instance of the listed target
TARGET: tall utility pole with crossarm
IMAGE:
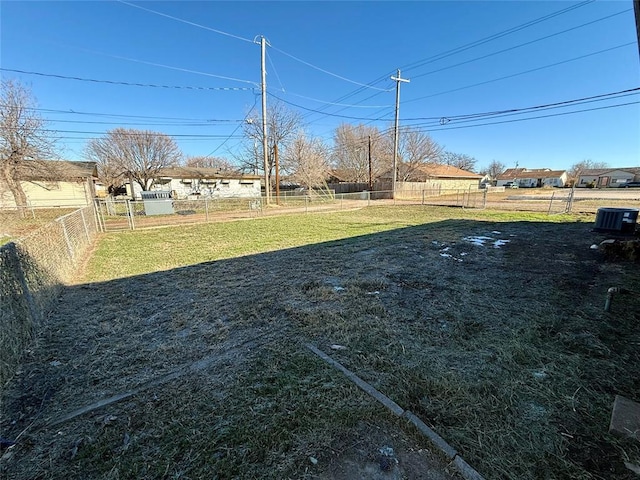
(265, 150)
(396, 79)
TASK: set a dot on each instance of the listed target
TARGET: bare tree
(136, 154)
(307, 161)
(577, 168)
(459, 160)
(351, 152)
(23, 139)
(219, 163)
(282, 125)
(494, 169)
(415, 149)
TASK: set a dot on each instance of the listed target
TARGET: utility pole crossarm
(398, 79)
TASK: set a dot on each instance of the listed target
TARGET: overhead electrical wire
(473, 44)
(118, 115)
(490, 38)
(564, 103)
(455, 127)
(131, 84)
(255, 101)
(520, 73)
(518, 46)
(363, 85)
(187, 22)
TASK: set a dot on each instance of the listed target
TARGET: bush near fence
(32, 273)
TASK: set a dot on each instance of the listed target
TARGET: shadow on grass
(502, 347)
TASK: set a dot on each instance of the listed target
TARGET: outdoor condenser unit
(157, 203)
(618, 220)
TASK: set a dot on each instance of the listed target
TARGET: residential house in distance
(443, 177)
(533, 178)
(193, 182)
(55, 183)
(608, 177)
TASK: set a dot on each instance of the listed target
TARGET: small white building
(54, 183)
(608, 177)
(194, 182)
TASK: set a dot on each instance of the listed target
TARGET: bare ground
(506, 352)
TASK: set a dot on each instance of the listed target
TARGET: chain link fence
(118, 215)
(33, 270)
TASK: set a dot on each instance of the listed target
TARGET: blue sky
(358, 43)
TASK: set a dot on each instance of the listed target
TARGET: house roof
(203, 172)
(57, 170)
(512, 173)
(595, 172)
(424, 172)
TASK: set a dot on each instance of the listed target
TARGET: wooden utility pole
(265, 149)
(277, 165)
(370, 176)
(396, 79)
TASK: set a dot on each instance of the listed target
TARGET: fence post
(368, 199)
(130, 211)
(484, 199)
(206, 209)
(84, 224)
(551, 203)
(423, 196)
(306, 202)
(66, 238)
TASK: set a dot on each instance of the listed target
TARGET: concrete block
(625, 418)
(466, 470)
(448, 451)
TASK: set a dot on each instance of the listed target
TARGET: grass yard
(499, 343)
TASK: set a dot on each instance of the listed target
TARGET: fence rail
(32, 272)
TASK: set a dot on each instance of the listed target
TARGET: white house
(608, 177)
(533, 178)
(191, 182)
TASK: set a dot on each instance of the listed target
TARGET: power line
(169, 67)
(132, 134)
(334, 103)
(131, 84)
(364, 85)
(323, 113)
(538, 117)
(98, 114)
(490, 38)
(462, 48)
(604, 96)
(520, 73)
(520, 45)
(255, 100)
(187, 22)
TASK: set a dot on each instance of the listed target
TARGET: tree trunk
(9, 175)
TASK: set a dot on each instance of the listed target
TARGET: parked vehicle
(630, 185)
(511, 185)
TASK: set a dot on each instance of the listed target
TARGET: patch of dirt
(382, 452)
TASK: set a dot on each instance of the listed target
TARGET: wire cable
(186, 21)
(518, 46)
(364, 85)
(131, 84)
(520, 73)
(490, 38)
